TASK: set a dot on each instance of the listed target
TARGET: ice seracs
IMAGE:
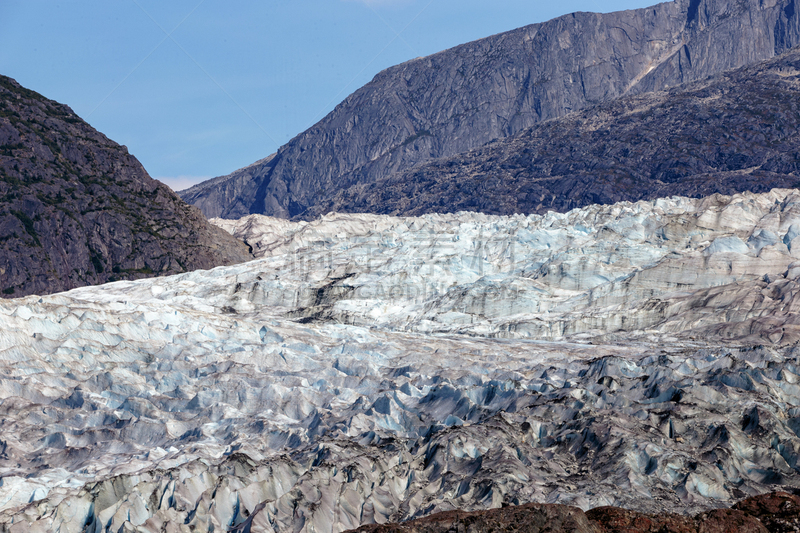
(590, 272)
(373, 369)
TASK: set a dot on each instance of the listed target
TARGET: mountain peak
(77, 209)
(462, 98)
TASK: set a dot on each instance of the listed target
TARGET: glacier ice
(592, 272)
(371, 369)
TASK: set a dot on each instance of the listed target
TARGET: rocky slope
(735, 132)
(76, 209)
(778, 512)
(462, 98)
(371, 369)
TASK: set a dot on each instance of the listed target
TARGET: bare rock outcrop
(528, 518)
(462, 98)
(77, 209)
(776, 512)
(731, 133)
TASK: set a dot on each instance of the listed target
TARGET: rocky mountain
(77, 209)
(373, 369)
(462, 98)
(730, 133)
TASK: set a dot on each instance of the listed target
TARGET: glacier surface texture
(371, 369)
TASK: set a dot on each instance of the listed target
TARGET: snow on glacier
(371, 368)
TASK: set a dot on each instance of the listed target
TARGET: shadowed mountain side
(235, 190)
(462, 98)
(735, 132)
(77, 209)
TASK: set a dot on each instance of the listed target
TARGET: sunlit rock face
(373, 369)
(388, 135)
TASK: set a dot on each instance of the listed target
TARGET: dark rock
(236, 191)
(627, 521)
(775, 512)
(778, 511)
(616, 520)
(728, 520)
(727, 134)
(462, 98)
(529, 518)
(76, 209)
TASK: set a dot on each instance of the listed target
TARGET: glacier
(370, 368)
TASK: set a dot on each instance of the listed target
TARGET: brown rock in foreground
(777, 512)
(77, 209)
(528, 518)
(627, 521)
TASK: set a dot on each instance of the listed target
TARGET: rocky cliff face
(734, 132)
(462, 98)
(77, 209)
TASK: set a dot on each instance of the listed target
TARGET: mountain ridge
(77, 209)
(462, 98)
(729, 133)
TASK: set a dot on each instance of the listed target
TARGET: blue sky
(200, 88)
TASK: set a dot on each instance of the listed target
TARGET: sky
(199, 88)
